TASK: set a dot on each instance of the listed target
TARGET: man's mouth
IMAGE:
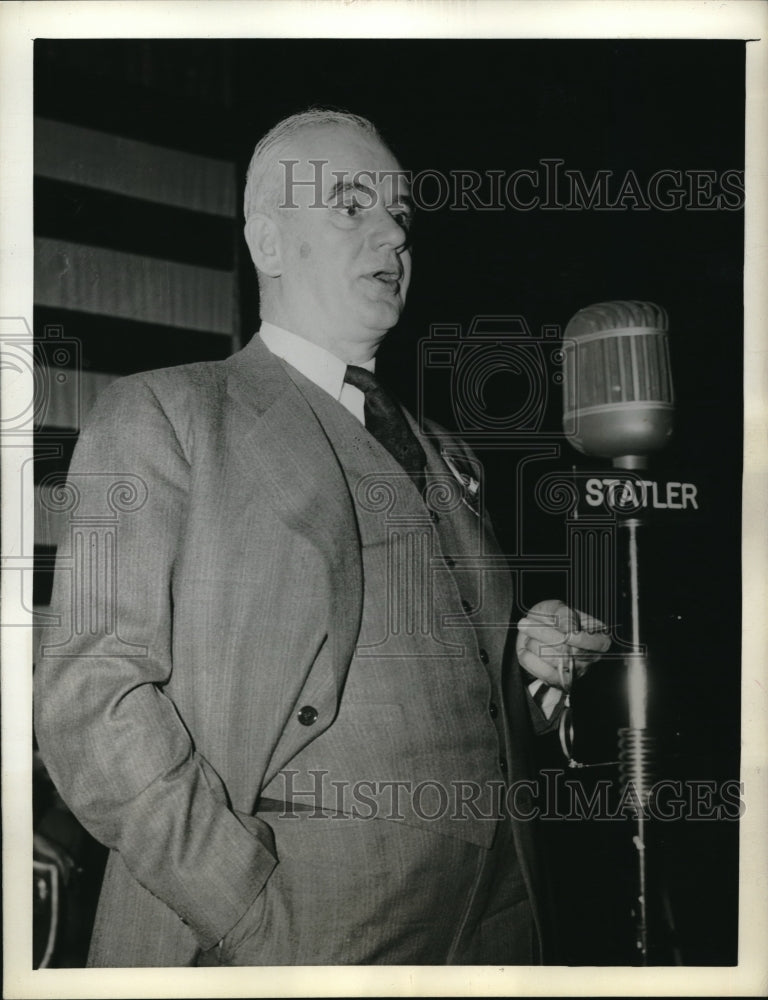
(387, 279)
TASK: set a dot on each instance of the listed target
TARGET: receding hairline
(279, 138)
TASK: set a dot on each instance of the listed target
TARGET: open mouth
(387, 279)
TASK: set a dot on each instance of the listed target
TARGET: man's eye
(350, 209)
(403, 219)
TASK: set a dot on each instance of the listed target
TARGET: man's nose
(387, 231)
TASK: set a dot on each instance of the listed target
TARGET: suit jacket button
(307, 715)
(493, 709)
(483, 656)
(434, 516)
(502, 765)
(466, 607)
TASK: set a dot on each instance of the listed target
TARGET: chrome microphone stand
(635, 743)
(618, 403)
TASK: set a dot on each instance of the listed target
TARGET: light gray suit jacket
(237, 599)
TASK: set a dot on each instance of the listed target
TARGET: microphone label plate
(630, 495)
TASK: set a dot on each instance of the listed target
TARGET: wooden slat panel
(53, 449)
(44, 562)
(113, 163)
(64, 396)
(51, 524)
(96, 280)
(120, 346)
(96, 218)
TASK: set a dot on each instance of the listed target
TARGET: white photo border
(20, 24)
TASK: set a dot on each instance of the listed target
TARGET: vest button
(467, 607)
(493, 710)
(434, 516)
(450, 562)
(483, 656)
(307, 715)
(502, 765)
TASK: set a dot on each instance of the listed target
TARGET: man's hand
(554, 642)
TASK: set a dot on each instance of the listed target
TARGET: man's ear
(263, 238)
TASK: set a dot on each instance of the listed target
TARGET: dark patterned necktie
(386, 421)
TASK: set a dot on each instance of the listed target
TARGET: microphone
(618, 404)
(617, 385)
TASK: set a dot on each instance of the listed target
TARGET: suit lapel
(283, 448)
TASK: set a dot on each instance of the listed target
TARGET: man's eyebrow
(341, 187)
(403, 199)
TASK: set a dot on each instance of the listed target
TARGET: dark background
(505, 105)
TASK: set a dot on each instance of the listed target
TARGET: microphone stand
(635, 743)
(618, 403)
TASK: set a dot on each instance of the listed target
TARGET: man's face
(345, 262)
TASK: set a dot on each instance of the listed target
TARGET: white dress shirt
(318, 365)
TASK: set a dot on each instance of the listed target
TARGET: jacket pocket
(260, 830)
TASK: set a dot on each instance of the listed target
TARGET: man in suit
(299, 719)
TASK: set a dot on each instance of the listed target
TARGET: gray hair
(262, 180)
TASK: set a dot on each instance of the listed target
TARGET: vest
(421, 735)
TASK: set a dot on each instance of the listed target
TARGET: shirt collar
(313, 361)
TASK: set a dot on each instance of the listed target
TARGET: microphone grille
(617, 315)
(618, 353)
(617, 387)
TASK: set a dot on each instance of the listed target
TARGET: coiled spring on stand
(636, 759)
